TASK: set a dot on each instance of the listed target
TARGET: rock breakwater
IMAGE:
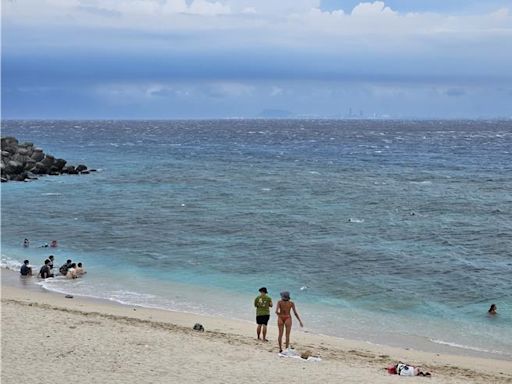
(24, 161)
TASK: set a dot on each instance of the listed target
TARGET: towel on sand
(295, 355)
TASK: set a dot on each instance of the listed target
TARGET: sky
(189, 59)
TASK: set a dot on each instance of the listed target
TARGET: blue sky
(244, 58)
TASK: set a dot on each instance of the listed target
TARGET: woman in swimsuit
(284, 318)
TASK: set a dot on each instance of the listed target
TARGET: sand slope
(49, 339)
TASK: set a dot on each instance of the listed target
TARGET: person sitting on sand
(71, 273)
(79, 270)
(26, 243)
(284, 318)
(493, 310)
(262, 303)
(25, 269)
(64, 268)
(45, 271)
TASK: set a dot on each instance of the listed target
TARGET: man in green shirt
(262, 303)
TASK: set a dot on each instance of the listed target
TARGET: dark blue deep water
(381, 230)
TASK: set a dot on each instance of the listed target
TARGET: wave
(51, 194)
(468, 347)
(9, 264)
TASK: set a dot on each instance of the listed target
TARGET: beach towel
(292, 353)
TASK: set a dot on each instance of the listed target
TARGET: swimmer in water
(284, 318)
(26, 243)
(493, 310)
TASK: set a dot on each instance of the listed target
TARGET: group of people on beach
(284, 309)
(69, 269)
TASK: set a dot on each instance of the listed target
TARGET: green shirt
(262, 304)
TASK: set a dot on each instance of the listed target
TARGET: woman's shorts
(262, 320)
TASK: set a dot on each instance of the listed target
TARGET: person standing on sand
(262, 303)
(284, 318)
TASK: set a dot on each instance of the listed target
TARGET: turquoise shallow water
(383, 231)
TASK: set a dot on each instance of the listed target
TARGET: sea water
(397, 232)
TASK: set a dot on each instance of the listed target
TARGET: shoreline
(10, 277)
(240, 334)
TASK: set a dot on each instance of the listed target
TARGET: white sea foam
(353, 220)
(468, 347)
(10, 264)
(51, 194)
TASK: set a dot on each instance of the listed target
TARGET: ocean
(395, 232)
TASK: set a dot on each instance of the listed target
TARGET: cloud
(372, 9)
(255, 54)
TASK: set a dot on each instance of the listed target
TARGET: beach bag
(198, 327)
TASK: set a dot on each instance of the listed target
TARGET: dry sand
(47, 338)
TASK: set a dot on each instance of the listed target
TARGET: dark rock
(23, 151)
(39, 169)
(4, 180)
(20, 158)
(20, 177)
(14, 167)
(29, 164)
(48, 161)
(68, 168)
(37, 155)
(10, 149)
(92, 170)
(54, 173)
(59, 164)
(5, 153)
(9, 141)
(81, 168)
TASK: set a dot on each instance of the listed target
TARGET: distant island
(24, 161)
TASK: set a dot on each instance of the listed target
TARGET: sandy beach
(47, 338)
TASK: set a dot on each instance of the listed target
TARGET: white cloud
(294, 24)
(370, 9)
(202, 7)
